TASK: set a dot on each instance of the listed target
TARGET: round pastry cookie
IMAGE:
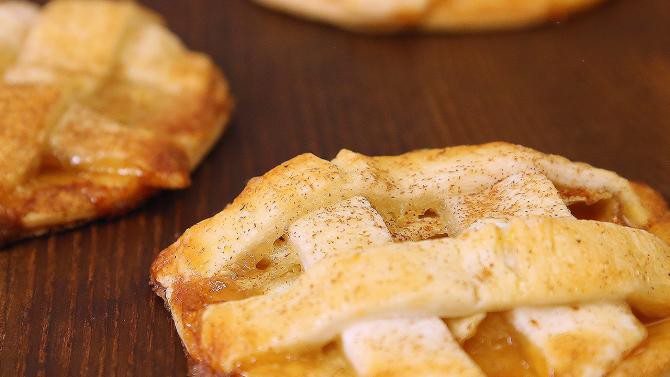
(432, 15)
(487, 260)
(100, 107)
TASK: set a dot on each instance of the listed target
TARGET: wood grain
(596, 88)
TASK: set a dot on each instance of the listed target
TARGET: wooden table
(596, 89)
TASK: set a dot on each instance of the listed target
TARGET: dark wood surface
(596, 88)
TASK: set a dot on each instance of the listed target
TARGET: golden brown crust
(391, 279)
(25, 112)
(237, 291)
(61, 200)
(97, 118)
(658, 208)
(259, 214)
(431, 15)
(652, 357)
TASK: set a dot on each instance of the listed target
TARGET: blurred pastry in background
(100, 106)
(431, 15)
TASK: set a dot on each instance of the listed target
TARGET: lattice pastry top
(100, 105)
(459, 15)
(491, 260)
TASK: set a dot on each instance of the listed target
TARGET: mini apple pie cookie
(454, 15)
(100, 106)
(491, 260)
